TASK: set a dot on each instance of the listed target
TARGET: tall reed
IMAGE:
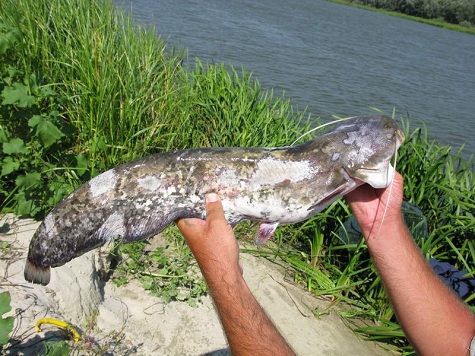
(441, 184)
(117, 93)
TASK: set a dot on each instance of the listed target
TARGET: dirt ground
(126, 320)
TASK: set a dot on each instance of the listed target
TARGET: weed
(84, 90)
(6, 324)
(56, 348)
(169, 272)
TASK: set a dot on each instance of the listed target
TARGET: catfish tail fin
(36, 274)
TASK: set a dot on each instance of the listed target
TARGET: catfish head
(365, 148)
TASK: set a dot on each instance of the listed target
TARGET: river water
(332, 59)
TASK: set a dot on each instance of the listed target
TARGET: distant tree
(432, 9)
(452, 11)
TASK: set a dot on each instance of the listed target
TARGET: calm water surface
(332, 59)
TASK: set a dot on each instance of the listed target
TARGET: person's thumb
(214, 208)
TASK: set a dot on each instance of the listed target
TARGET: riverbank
(127, 319)
(110, 92)
(432, 22)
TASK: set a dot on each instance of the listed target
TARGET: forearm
(244, 321)
(247, 327)
(433, 318)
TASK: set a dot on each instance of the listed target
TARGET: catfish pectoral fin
(265, 232)
(36, 274)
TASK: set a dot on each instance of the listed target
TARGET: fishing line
(318, 128)
(393, 173)
(390, 192)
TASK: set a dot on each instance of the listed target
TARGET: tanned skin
(248, 329)
(434, 319)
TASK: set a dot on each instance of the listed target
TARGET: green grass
(438, 182)
(83, 89)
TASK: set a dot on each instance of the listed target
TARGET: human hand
(372, 206)
(248, 329)
(213, 243)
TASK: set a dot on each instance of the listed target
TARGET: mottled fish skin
(270, 185)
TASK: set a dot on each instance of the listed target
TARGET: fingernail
(212, 197)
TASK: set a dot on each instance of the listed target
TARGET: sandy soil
(126, 320)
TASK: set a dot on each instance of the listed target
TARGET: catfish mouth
(382, 174)
(377, 178)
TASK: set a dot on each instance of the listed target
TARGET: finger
(363, 193)
(190, 228)
(214, 207)
(215, 219)
(189, 223)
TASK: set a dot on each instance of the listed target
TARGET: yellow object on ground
(60, 323)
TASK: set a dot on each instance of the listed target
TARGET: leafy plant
(33, 178)
(169, 272)
(84, 90)
(6, 324)
(57, 348)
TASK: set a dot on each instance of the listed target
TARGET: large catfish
(272, 186)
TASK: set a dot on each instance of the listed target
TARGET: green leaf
(57, 348)
(28, 180)
(81, 164)
(7, 40)
(46, 91)
(15, 145)
(17, 94)
(6, 327)
(182, 296)
(25, 207)
(46, 131)
(32, 83)
(5, 300)
(9, 165)
(3, 134)
(6, 324)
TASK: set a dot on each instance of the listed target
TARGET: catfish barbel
(272, 186)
